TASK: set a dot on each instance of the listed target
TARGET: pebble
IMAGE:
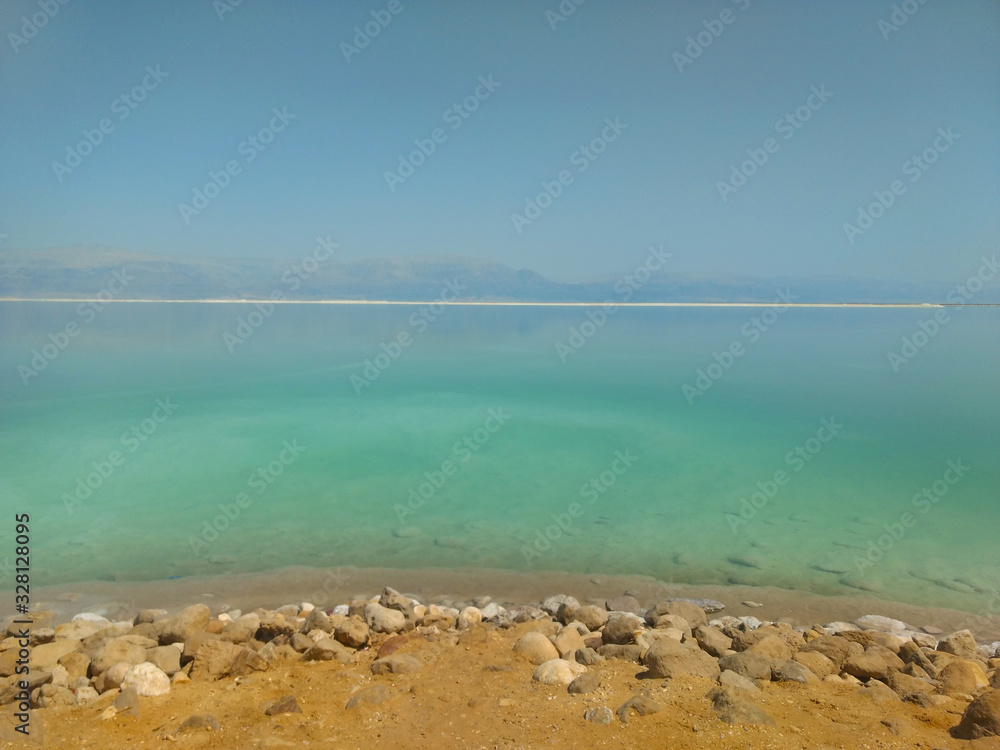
(753, 605)
(599, 715)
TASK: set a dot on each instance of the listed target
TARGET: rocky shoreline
(618, 661)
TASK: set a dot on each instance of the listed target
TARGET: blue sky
(656, 183)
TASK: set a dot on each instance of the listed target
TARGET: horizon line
(497, 303)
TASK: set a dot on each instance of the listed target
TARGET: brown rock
(396, 642)
(588, 682)
(712, 640)
(818, 664)
(731, 708)
(284, 705)
(167, 658)
(904, 684)
(247, 660)
(369, 696)
(184, 624)
(352, 632)
(962, 677)
(76, 665)
(329, 650)
(833, 647)
(242, 629)
(592, 616)
(747, 664)
(694, 614)
(536, 648)
(962, 644)
(667, 659)
(631, 652)
(46, 656)
(641, 704)
(396, 664)
(199, 721)
(213, 660)
(317, 620)
(981, 718)
(621, 630)
(123, 649)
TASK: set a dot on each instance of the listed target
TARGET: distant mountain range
(83, 271)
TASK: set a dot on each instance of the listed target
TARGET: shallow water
(183, 499)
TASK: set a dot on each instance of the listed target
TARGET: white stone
(147, 679)
(468, 617)
(558, 672)
(884, 624)
(341, 609)
(91, 617)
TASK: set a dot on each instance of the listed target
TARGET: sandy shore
(328, 587)
(490, 659)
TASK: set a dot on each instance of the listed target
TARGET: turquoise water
(517, 495)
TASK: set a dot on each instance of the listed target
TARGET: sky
(745, 137)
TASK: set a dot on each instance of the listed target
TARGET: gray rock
(181, 626)
(733, 709)
(668, 659)
(369, 696)
(598, 715)
(300, 643)
(396, 664)
(981, 718)
(316, 620)
(286, 704)
(730, 679)
(621, 630)
(708, 605)
(694, 614)
(127, 702)
(641, 704)
(166, 658)
(588, 657)
(712, 640)
(883, 624)
(196, 722)
(749, 664)
(352, 632)
(585, 683)
(552, 604)
(631, 652)
(384, 620)
(592, 616)
(623, 604)
(792, 671)
(328, 650)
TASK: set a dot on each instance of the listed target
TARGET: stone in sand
(167, 658)
(317, 619)
(536, 648)
(641, 704)
(396, 664)
(46, 656)
(329, 650)
(733, 709)
(196, 722)
(981, 718)
(585, 683)
(694, 614)
(369, 696)
(384, 620)
(147, 679)
(352, 632)
(557, 672)
(286, 704)
(184, 624)
(730, 679)
(793, 671)
(598, 715)
(667, 659)
(712, 640)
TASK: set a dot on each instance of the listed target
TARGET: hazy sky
(210, 77)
